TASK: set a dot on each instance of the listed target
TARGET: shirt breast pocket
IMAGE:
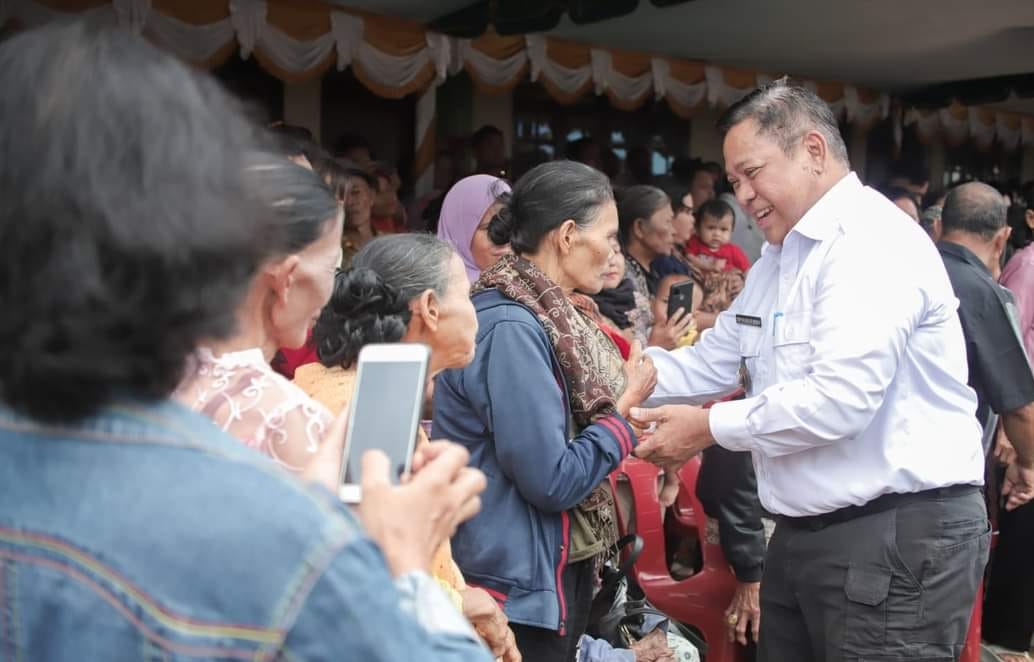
(792, 344)
(751, 338)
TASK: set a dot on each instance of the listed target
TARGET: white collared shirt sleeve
(850, 338)
(698, 374)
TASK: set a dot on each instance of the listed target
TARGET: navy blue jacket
(510, 409)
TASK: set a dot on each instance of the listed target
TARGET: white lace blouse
(250, 401)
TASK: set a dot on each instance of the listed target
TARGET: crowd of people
(186, 296)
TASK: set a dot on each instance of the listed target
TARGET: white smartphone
(385, 410)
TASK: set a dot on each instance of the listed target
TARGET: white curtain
(626, 88)
(492, 71)
(686, 95)
(1008, 136)
(567, 79)
(248, 24)
(718, 91)
(983, 134)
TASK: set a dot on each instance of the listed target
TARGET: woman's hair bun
(363, 309)
(501, 227)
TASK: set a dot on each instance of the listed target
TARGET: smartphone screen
(680, 296)
(386, 410)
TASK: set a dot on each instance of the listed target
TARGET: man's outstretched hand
(673, 434)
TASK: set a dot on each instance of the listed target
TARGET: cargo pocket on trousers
(865, 626)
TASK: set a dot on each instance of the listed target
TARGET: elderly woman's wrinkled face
(301, 294)
(615, 272)
(657, 233)
(452, 341)
(594, 246)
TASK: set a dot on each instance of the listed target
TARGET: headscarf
(464, 205)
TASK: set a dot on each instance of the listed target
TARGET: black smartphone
(680, 296)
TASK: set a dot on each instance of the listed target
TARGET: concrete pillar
(302, 105)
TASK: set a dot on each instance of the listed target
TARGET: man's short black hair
(483, 134)
(715, 208)
(974, 208)
(127, 229)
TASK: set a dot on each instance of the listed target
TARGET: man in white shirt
(858, 417)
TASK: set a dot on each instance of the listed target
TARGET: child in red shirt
(710, 249)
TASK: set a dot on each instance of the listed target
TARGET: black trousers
(893, 585)
(1009, 604)
(540, 644)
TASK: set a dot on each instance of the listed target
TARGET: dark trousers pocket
(949, 582)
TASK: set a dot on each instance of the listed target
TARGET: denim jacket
(145, 533)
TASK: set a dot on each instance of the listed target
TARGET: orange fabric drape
(632, 64)
(572, 55)
(497, 47)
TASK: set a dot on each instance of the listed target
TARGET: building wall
(302, 105)
(704, 141)
(496, 110)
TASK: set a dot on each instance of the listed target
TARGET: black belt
(877, 505)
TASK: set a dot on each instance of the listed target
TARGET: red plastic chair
(698, 601)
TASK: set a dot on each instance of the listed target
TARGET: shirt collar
(962, 253)
(819, 222)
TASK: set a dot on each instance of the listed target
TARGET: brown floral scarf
(595, 377)
(592, 366)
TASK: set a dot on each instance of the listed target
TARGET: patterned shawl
(592, 367)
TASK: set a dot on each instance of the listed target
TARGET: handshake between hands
(668, 436)
(412, 520)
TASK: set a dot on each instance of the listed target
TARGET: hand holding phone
(680, 296)
(385, 411)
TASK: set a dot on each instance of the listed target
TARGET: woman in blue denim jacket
(130, 527)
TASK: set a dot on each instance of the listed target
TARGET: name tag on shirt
(748, 320)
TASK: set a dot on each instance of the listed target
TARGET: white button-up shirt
(856, 361)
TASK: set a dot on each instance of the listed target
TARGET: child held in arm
(710, 247)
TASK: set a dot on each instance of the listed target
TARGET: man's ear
(814, 145)
(1000, 240)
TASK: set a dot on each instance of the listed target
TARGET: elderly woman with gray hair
(405, 288)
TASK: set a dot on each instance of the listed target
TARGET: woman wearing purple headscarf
(466, 212)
